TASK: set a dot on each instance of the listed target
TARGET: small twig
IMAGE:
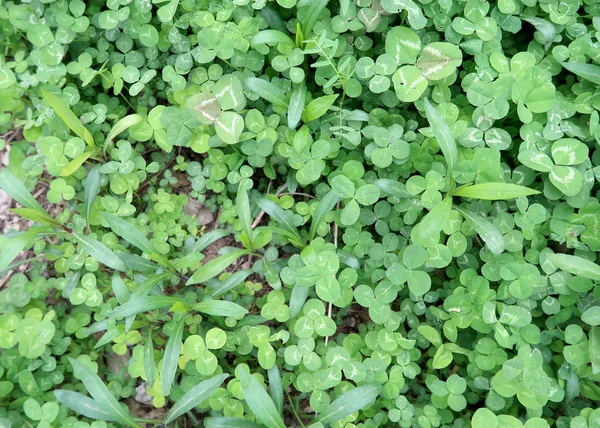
(335, 243)
(306, 195)
(262, 213)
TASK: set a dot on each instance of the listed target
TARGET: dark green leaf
(171, 358)
(243, 208)
(215, 267)
(272, 37)
(393, 187)
(100, 393)
(149, 358)
(488, 232)
(194, 396)
(230, 283)
(432, 223)
(136, 305)
(325, 206)
(442, 134)
(83, 405)
(266, 90)
(576, 265)
(296, 107)
(277, 214)
(208, 238)
(494, 191)
(348, 403)
(315, 9)
(68, 117)
(220, 308)
(586, 71)
(121, 126)
(259, 401)
(92, 187)
(17, 190)
(276, 388)
(99, 251)
(130, 233)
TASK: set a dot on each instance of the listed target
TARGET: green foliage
(300, 213)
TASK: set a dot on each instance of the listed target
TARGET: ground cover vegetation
(258, 213)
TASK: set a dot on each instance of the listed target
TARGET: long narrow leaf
(149, 358)
(272, 37)
(17, 190)
(11, 248)
(148, 284)
(35, 215)
(488, 232)
(277, 214)
(266, 90)
(171, 358)
(325, 206)
(83, 405)
(243, 208)
(215, 267)
(586, 71)
(143, 304)
(101, 394)
(99, 251)
(68, 117)
(259, 401)
(318, 107)
(208, 238)
(494, 191)
(432, 223)
(296, 107)
(576, 265)
(220, 308)
(315, 9)
(348, 403)
(130, 233)
(297, 299)
(74, 165)
(393, 187)
(442, 134)
(276, 387)
(273, 19)
(194, 396)
(121, 126)
(230, 283)
(92, 187)
(224, 422)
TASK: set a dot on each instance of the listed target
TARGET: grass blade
(325, 206)
(121, 126)
(271, 37)
(276, 387)
(208, 238)
(83, 405)
(259, 401)
(297, 299)
(432, 223)
(576, 265)
(137, 305)
(220, 308)
(488, 232)
(119, 288)
(100, 393)
(225, 422)
(393, 187)
(277, 214)
(243, 208)
(267, 90)
(442, 134)
(74, 165)
(99, 251)
(215, 267)
(586, 71)
(494, 191)
(149, 358)
(68, 117)
(315, 9)
(92, 187)
(171, 358)
(348, 403)
(318, 107)
(35, 215)
(230, 283)
(296, 107)
(194, 396)
(130, 233)
(17, 190)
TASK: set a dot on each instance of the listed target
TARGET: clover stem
(294, 409)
